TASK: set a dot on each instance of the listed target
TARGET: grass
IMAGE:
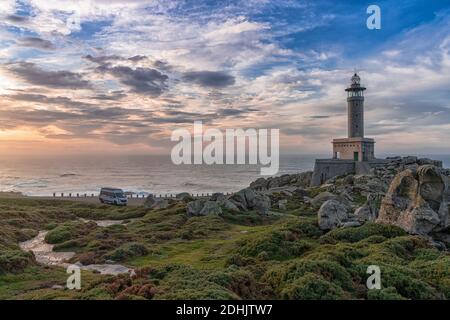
(232, 256)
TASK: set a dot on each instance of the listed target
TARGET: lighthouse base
(355, 149)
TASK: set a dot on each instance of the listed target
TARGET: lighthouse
(356, 147)
(354, 154)
(355, 103)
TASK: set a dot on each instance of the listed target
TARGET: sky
(101, 76)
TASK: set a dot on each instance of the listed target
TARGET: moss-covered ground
(232, 256)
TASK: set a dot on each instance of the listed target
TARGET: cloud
(113, 96)
(35, 42)
(103, 60)
(33, 74)
(45, 100)
(141, 80)
(16, 19)
(211, 79)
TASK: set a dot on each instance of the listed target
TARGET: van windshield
(119, 195)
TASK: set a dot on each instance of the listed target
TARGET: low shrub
(69, 231)
(128, 251)
(15, 261)
(312, 287)
(359, 233)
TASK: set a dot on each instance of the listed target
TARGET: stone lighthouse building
(356, 147)
(354, 154)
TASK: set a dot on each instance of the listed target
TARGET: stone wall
(325, 169)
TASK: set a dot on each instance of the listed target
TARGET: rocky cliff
(408, 192)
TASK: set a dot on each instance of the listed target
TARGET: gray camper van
(113, 196)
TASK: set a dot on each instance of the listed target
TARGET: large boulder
(249, 199)
(417, 201)
(322, 197)
(155, 203)
(183, 196)
(203, 207)
(369, 211)
(333, 214)
(230, 205)
(194, 208)
(210, 208)
(218, 196)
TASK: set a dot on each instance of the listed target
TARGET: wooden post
(54, 194)
(62, 195)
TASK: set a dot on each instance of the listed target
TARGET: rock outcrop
(302, 179)
(249, 199)
(369, 211)
(333, 214)
(203, 208)
(321, 198)
(244, 200)
(155, 203)
(417, 201)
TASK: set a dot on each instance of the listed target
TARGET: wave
(64, 175)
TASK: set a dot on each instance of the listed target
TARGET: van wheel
(101, 200)
(115, 203)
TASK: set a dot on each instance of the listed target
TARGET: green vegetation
(233, 256)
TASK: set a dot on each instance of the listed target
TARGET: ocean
(141, 174)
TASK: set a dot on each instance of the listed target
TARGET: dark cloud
(137, 58)
(52, 79)
(16, 18)
(43, 99)
(212, 79)
(107, 59)
(162, 65)
(102, 60)
(319, 117)
(141, 80)
(230, 112)
(35, 42)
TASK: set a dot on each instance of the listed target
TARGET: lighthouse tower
(356, 147)
(355, 102)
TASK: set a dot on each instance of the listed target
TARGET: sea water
(141, 174)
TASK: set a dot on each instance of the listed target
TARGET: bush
(128, 251)
(15, 261)
(239, 281)
(277, 245)
(305, 227)
(407, 283)
(69, 231)
(359, 233)
(312, 287)
(384, 294)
